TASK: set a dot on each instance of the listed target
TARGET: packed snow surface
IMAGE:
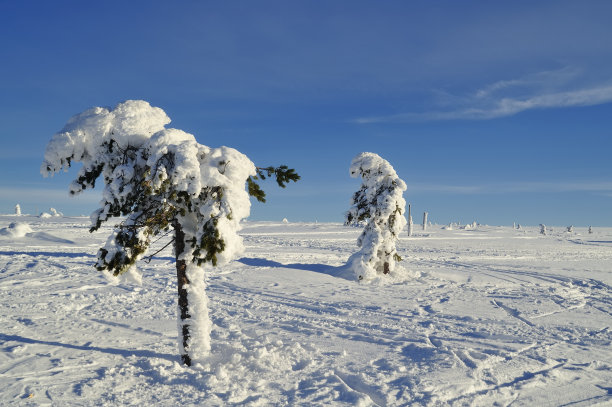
(489, 316)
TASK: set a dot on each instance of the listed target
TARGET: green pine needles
(282, 174)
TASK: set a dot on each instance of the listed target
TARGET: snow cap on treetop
(130, 123)
(373, 169)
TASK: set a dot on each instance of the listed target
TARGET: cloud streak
(604, 188)
(544, 90)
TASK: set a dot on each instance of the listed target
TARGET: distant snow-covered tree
(17, 210)
(162, 181)
(410, 223)
(543, 229)
(380, 203)
(54, 212)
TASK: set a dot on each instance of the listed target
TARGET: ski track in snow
(494, 316)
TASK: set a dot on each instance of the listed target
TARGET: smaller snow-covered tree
(17, 210)
(380, 203)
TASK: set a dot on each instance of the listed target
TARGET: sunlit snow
(489, 316)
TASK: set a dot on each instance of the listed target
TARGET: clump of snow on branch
(380, 203)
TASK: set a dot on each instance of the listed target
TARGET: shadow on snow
(111, 351)
(317, 268)
(47, 254)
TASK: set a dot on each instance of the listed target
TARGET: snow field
(490, 316)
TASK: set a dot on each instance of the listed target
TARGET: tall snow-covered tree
(161, 180)
(380, 203)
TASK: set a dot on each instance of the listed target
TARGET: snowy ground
(492, 316)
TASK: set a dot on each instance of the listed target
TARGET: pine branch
(255, 190)
(283, 175)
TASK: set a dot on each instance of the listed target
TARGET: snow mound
(16, 229)
(398, 275)
(23, 230)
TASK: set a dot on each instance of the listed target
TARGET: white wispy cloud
(543, 90)
(603, 188)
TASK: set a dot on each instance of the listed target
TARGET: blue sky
(490, 111)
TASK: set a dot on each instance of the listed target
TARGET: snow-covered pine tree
(17, 210)
(380, 203)
(161, 179)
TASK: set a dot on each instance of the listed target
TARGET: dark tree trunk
(183, 303)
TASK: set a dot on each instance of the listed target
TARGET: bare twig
(149, 258)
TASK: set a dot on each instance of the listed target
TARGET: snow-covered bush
(380, 203)
(55, 213)
(161, 178)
